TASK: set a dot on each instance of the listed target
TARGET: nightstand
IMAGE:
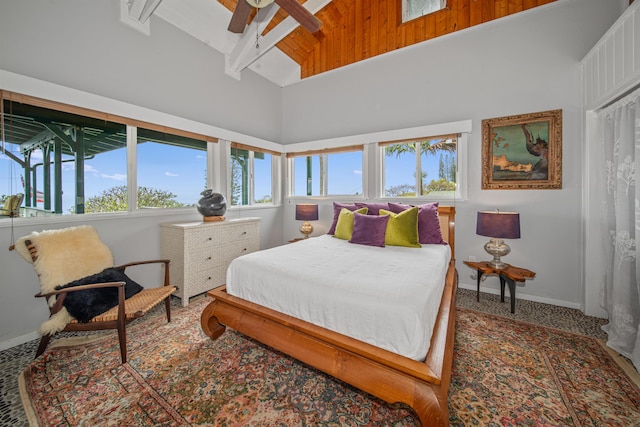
(509, 275)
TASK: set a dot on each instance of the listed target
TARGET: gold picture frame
(522, 152)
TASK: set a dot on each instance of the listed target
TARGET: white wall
(83, 45)
(524, 63)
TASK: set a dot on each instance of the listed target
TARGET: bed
(394, 372)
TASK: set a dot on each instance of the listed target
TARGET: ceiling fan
(292, 7)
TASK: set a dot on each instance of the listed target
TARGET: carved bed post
(209, 322)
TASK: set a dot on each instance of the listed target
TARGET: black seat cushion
(87, 304)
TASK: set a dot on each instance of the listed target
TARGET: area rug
(505, 373)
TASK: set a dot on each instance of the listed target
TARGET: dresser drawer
(200, 253)
(208, 258)
(208, 238)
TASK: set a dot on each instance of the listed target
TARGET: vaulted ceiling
(351, 31)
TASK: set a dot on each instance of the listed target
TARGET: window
(412, 9)
(420, 167)
(69, 160)
(61, 161)
(172, 169)
(251, 175)
(327, 172)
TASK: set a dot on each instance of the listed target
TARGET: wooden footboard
(423, 386)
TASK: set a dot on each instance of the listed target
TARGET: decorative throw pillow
(428, 223)
(87, 304)
(374, 208)
(369, 229)
(402, 228)
(337, 207)
(344, 227)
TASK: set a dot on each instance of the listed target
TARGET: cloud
(36, 155)
(170, 174)
(115, 176)
(357, 172)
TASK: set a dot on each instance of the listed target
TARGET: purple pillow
(374, 208)
(337, 207)
(369, 230)
(428, 223)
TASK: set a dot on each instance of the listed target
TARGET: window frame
(406, 18)
(275, 175)
(131, 126)
(460, 192)
(290, 166)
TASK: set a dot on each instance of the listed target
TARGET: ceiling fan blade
(239, 17)
(300, 14)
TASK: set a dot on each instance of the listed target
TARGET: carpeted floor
(13, 361)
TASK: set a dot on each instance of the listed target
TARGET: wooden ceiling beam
(245, 53)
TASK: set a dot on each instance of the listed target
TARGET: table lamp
(306, 212)
(498, 225)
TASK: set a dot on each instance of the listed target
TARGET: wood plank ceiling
(354, 30)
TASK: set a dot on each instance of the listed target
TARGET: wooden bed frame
(423, 386)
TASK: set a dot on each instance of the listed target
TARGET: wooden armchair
(76, 257)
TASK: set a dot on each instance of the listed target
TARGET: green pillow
(344, 226)
(402, 228)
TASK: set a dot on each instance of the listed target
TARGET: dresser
(200, 252)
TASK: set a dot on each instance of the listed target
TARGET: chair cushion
(87, 304)
(138, 305)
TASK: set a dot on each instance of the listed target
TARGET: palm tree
(429, 146)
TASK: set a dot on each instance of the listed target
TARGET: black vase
(212, 204)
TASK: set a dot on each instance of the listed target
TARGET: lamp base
(497, 248)
(306, 229)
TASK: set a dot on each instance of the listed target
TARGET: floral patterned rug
(505, 373)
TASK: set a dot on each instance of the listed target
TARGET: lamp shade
(498, 225)
(307, 212)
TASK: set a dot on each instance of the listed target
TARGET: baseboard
(521, 295)
(4, 345)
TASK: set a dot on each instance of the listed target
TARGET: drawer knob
(209, 258)
(209, 278)
(244, 232)
(210, 238)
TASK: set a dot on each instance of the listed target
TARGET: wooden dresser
(200, 252)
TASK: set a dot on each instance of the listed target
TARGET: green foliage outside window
(115, 199)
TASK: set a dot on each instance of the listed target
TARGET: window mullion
(325, 175)
(418, 152)
(252, 187)
(132, 169)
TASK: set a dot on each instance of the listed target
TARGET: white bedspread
(388, 297)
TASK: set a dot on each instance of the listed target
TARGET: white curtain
(619, 126)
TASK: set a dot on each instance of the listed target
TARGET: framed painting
(522, 152)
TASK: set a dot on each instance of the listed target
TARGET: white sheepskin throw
(63, 256)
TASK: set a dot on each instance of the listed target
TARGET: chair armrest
(152, 261)
(166, 262)
(81, 288)
(63, 294)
